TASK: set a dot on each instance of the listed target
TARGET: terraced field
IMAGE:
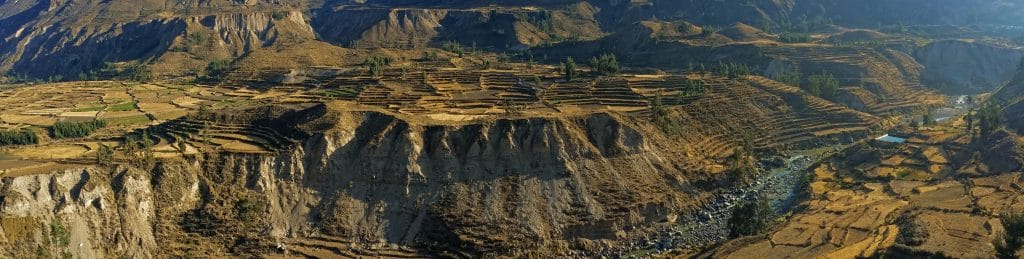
(903, 199)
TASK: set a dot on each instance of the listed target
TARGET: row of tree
(795, 37)
(18, 137)
(69, 129)
(131, 71)
(732, 70)
(823, 85)
(605, 64)
(692, 88)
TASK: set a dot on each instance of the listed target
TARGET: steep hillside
(56, 37)
(490, 27)
(961, 67)
(68, 38)
(871, 80)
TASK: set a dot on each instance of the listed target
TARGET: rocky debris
(708, 225)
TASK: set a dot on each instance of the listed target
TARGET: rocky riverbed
(709, 225)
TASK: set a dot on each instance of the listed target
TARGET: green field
(130, 120)
(89, 109)
(126, 106)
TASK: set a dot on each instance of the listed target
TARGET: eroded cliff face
(547, 182)
(553, 185)
(961, 67)
(82, 212)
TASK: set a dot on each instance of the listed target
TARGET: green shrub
(59, 234)
(278, 15)
(250, 208)
(751, 218)
(376, 64)
(430, 56)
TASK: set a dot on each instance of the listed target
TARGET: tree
(989, 119)
(690, 88)
(751, 218)
(569, 69)
(1012, 237)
